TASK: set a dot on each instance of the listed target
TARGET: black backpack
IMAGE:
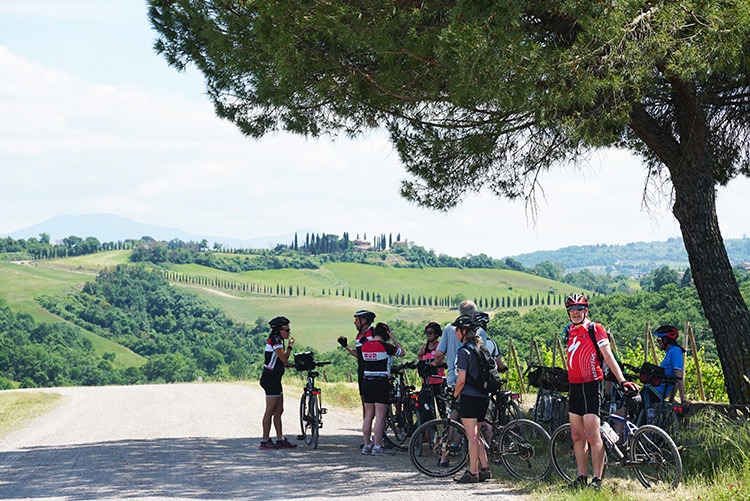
(488, 380)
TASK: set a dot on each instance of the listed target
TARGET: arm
(460, 382)
(609, 358)
(285, 354)
(422, 351)
(400, 352)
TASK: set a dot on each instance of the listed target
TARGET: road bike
(647, 450)
(310, 409)
(439, 447)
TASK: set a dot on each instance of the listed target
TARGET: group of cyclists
(452, 351)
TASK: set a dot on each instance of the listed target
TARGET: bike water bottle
(608, 432)
(651, 413)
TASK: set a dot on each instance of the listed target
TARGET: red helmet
(668, 331)
(576, 300)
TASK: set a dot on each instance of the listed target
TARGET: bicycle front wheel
(657, 462)
(524, 449)
(562, 453)
(303, 419)
(439, 448)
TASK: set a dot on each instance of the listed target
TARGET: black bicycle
(551, 406)
(439, 448)
(403, 413)
(310, 409)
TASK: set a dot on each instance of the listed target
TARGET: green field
(319, 315)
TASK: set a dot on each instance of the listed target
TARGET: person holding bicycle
(376, 354)
(673, 363)
(584, 398)
(276, 359)
(474, 402)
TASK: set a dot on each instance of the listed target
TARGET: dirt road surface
(200, 442)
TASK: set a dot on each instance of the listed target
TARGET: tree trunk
(726, 311)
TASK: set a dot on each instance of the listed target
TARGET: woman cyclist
(435, 383)
(276, 359)
(673, 363)
(376, 356)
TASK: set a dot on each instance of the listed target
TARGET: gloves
(342, 341)
(629, 387)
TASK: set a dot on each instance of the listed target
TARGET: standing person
(673, 363)
(432, 333)
(474, 402)
(276, 359)
(449, 345)
(483, 319)
(363, 320)
(584, 399)
(376, 354)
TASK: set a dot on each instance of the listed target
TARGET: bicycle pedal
(323, 410)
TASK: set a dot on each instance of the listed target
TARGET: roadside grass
(18, 408)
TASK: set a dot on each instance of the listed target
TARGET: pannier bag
(652, 374)
(304, 361)
(549, 378)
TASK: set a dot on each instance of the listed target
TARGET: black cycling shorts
(473, 407)
(271, 383)
(585, 398)
(376, 390)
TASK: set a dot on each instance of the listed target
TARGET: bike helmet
(435, 327)
(465, 322)
(278, 322)
(667, 331)
(366, 314)
(482, 319)
(576, 300)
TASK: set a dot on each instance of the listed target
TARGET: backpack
(488, 379)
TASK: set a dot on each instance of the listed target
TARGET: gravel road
(200, 441)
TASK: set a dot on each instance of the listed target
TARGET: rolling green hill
(321, 312)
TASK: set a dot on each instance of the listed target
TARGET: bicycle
(659, 413)
(439, 448)
(551, 406)
(403, 415)
(310, 409)
(647, 450)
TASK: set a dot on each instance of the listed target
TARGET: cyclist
(474, 402)
(376, 354)
(432, 333)
(673, 363)
(363, 320)
(584, 398)
(276, 359)
(483, 319)
(449, 345)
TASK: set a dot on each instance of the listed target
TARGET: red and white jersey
(271, 359)
(583, 358)
(376, 357)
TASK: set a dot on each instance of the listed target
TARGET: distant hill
(630, 259)
(112, 228)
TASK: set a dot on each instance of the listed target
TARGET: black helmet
(435, 327)
(278, 322)
(366, 314)
(482, 318)
(465, 322)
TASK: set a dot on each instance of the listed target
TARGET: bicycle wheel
(436, 440)
(398, 424)
(314, 413)
(303, 419)
(524, 449)
(656, 460)
(562, 453)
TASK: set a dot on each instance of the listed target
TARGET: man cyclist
(584, 399)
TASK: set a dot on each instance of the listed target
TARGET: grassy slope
(317, 318)
(21, 284)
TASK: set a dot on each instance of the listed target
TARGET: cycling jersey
(272, 362)
(358, 342)
(376, 358)
(583, 359)
(673, 359)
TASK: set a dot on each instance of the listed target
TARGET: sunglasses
(429, 332)
(577, 308)
(287, 329)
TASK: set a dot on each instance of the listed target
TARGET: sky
(92, 120)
